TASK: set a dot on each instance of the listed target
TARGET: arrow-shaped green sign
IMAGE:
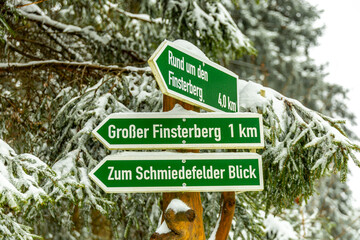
(194, 79)
(181, 131)
(184, 172)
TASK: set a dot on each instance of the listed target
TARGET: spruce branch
(78, 66)
(302, 144)
(141, 17)
(41, 18)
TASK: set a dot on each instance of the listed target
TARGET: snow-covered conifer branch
(141, 17)
(11, 229)
(301, 144)
(21, 190)
(138, 16)
(20, 176)
(51, 111)
(4, 67)
(37, 15)
(74, 152)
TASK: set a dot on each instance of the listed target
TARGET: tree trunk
(100, 225)
(190, 227)
(226, 215)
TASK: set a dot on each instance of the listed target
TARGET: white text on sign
(233, 172)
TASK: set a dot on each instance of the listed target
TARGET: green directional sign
(194, 79)
(186, 172)
(187, 130)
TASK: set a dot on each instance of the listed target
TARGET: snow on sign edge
(181, 45)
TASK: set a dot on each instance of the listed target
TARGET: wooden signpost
(192, 81)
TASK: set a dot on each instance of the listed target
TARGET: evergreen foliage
(283, 33)
(21, 194)
(329, 214)
(335, 216)
(301, 145)
(66, 66)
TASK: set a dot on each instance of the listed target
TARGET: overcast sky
(340, 47)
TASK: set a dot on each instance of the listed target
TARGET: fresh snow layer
(163, 228)
(177, 206)
(249, 95)
(282, 229)
(190, 47)
(213, 234)
(5, 149)
(17, 181)
(178, 109)
(67, 164)
(30, 7)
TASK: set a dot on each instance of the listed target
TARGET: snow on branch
(5, 67)
(11, 229)
(20, 179)
(74, 152)
(37, 15)
(301, 144)
(215, 22)
(22, 193)
(142, 17)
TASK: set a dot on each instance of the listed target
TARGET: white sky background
(340, 47)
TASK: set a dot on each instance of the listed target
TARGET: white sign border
(150, 156)
(143, 115)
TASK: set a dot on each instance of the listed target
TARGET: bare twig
(32, 57)
(30, 3)
(35, 42)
